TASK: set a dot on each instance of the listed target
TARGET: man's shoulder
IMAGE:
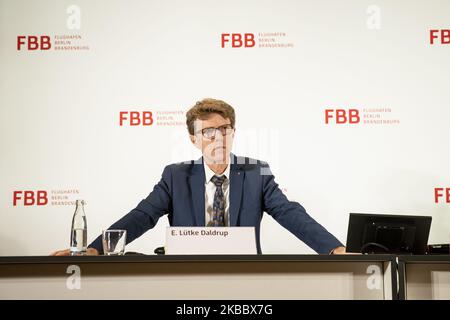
(183, 166)
(253, 167)
(249, 163)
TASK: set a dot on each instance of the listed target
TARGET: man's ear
(194, 140)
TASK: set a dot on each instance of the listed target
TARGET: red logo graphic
(30, 198)
(441, 193)
(443, 35)
(34, 42)
(342, 116)
(136, 118)
(247, 40)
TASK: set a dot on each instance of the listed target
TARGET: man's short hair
(204, 108)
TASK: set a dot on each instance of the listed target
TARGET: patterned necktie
(218, 219)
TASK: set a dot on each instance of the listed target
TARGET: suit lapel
(236, 186)
(197, 190)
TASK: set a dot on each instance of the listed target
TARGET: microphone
(160, 251)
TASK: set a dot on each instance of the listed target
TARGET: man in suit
(219, 189)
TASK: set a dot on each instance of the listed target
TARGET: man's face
(214, 137)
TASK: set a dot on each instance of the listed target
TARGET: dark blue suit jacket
(181, 194)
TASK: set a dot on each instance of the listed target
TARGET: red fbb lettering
(122, 117)
(147, 118)
(236, 38)
(45, 43)
(328, 116)
(433, 36)
(437, 194)
(249, 40)
(354, 116)
(16, 196)
(224, 39)
(42, 199)
(341, 116)
(33, 43)
(445, 36)
(28, 198)
(20, 41)
(135, 118)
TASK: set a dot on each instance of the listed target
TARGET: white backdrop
(60, 108)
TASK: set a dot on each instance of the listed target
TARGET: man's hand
(341, 250)
(66, 252)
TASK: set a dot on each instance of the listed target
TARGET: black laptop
(388, 233)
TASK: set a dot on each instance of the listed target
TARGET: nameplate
(210, 240)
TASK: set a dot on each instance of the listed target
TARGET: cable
(374, 244)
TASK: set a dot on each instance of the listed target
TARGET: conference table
(200, 277)
(225, 277)
(424, 277)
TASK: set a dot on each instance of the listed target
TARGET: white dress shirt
(210, 189)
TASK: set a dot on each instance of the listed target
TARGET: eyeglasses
(210, 133)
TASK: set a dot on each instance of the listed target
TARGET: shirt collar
(209, 173)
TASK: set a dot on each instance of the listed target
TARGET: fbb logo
(342, 116)
(30, 198)
(443, 193)
(34, 42)
(443, 35)
(238, 40)
(136, 118)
